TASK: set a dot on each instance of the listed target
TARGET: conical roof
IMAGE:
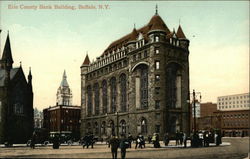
(64, 82)
(86, 60)
(156, 23)
(180, 33)
(7, 54)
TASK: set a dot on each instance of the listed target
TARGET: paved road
(238, 149)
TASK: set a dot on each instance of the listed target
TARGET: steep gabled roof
(180, 33)
(7, 54)
(13, 73)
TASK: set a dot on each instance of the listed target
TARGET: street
(232, 148)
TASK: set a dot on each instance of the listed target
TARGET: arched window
(113, 94)
(103, 128)
(173, 85)
(144, 86)
(104, 97)
(96, 90)
(112, 127)
(89, 130)
(89, 104)
(123, 127)
(123, 90)
(96, 128)
(144, 126)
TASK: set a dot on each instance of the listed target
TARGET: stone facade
(139, 84)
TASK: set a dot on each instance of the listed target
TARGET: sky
(53, 40)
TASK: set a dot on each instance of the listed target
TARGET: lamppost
(117, 124)
(194, 106)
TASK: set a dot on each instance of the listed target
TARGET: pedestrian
(85, 141)
(177, 138)
(91, 140)
(114, 144)
(130, 139)
(123, 146)
(185, 139)
(181, 137)
(56, 142)
(33, 140)
(149, 139)
(137, 140)
(166, 139)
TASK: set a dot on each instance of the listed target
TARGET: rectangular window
(157, 65)
(18, 108)
(157, 78)
(134, 57)
(157, 104)
(139, 56)
(157, 90)
(157, 50)
(145, 53)
(157, 116)
(156, 38)
(157, 128)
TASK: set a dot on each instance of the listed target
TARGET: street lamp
(194, 106)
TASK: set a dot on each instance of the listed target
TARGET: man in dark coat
(123, 146)
(56, 142)
(114, 144)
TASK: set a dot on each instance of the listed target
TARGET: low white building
(233, 102)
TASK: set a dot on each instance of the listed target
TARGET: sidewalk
(170, 145)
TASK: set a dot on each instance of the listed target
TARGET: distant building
(197, 109)
(233, 102)
(63, 118)
(64, 94)
(234, 122)
(209, 122)
(38, 118)
(207, 109)
(208, 119)
(16, 100)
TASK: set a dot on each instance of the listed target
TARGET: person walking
(33, 140)
(166, 139)
(130, 139)
(114, 144)
(177, 138)
(123, 146)
(56, 141)
(185, 139)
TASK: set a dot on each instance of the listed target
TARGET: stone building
(16, 100)
(63, 118)
(139, 84)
